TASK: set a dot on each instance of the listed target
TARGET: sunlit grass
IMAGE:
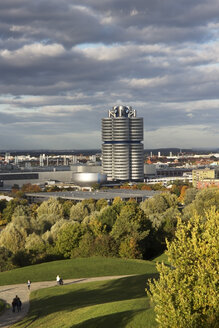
(77, 268)
(116, 303)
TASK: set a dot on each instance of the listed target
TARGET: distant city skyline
(64, 63)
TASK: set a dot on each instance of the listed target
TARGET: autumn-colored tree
(15, 188)
(146, 187)
(182, 194)
(186, 294)
(52, 188)
(28, 187)
(125, 187)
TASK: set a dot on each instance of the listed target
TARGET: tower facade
(122, 148)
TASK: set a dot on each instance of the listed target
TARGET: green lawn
(77, 268)
(115, 303)
(162, 258)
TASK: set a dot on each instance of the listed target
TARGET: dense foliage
(58, 229)
(186, 294)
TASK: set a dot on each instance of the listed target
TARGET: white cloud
(31, 53)
(171, 136)
(146, 82)
(23, 29)
(64, 64)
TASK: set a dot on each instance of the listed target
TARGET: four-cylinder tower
(122, 148)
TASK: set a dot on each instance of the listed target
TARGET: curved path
(8, 292)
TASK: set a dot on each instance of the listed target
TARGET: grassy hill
(115, 303)
(77, 268)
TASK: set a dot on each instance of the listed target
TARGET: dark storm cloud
(64, 63)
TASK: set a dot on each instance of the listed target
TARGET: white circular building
(88, 178)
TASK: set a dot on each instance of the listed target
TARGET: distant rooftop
(110, 194)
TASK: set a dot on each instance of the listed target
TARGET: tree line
(57, 229)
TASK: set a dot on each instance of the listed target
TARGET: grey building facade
(122, 148)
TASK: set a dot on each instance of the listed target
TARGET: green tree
(186, 294)
(85, 246)
(35, 244)
(89, 204)
(22, 219)
(56, 228)
(5, 259)
(11, 205)
(101, 203)
(175, 189)
(108, 217)
(67, 207)
(48, 213)
(162, 211)
(190, 195)
(131, 224)
(13, 238)
(3, 205)
(159, 203)
(79, 211)
(14, 235)
(69, 237)
(204, 200)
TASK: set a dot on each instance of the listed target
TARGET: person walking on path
(60, 281)
(14, 304)
(57, 279)
(19, 304)
(28, 284)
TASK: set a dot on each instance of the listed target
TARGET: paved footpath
(8, 292)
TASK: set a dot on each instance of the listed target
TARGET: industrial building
(122, 148)
(75, 174)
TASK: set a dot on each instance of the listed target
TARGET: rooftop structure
(110, 195)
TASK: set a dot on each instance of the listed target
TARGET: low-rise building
(204, 177)
(109, 195)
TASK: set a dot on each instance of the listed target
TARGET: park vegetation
(59, 229)
(183, 222)
(186, 294)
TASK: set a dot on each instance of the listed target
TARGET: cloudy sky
(65, 63)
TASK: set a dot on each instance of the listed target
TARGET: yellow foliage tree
(186, 294)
